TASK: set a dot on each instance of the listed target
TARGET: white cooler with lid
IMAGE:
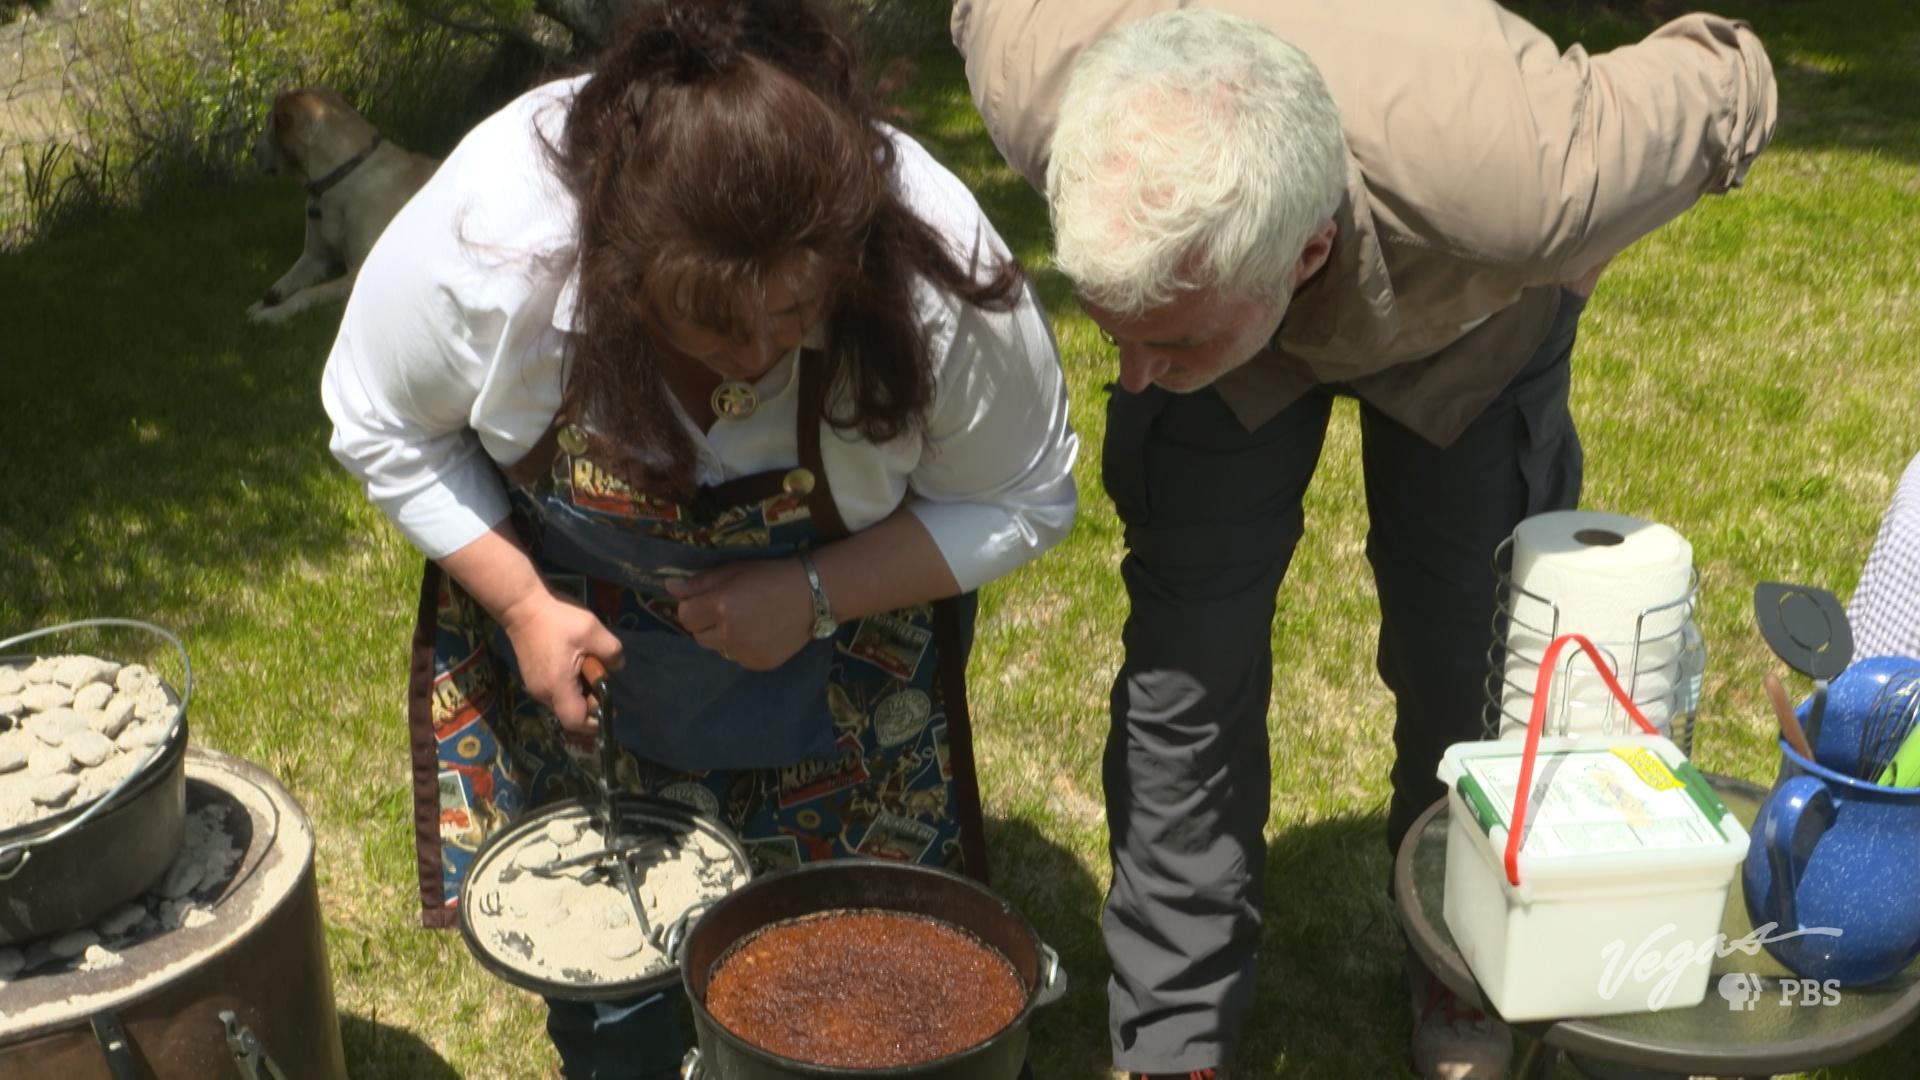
(1622, 881)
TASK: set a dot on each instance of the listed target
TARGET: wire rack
(1660, 666)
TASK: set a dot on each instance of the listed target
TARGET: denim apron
(858, 745)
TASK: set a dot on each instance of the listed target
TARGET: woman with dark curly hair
(694, 365)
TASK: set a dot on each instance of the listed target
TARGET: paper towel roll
(1615, 579)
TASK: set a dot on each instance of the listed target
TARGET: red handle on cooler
(1536, 723)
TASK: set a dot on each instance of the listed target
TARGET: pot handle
(1053, 978)
(249, 1057)
(1789, 833)
(690, 1067)
(677, 933)
(14, 856)
(114, 1045)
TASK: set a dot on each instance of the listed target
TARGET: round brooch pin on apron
(797, 482)
(899, 718)
(734, 399)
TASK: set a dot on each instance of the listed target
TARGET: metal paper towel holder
(1520, 677)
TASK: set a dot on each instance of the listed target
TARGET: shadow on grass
(376, 1051)
(1051, 887)
(1330, 1001)
(159, 450)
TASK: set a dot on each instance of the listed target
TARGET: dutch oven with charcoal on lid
(584, 899)
(92, 772)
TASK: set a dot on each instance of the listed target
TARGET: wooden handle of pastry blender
(594, 672)
(1789, 724)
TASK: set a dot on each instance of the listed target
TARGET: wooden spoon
(1789, 724)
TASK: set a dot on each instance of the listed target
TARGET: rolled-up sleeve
(400, 386)
(995, 485)
(1631, 138)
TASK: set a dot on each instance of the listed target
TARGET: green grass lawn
(1745, 376)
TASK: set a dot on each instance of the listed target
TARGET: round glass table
(1724, 1035)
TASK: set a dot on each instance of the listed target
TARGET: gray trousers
(1212, 514)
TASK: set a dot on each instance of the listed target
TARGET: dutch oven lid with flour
(547, 904)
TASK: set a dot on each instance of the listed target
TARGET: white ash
(113, 718)
(54, 790)
(46, 696)
(89, 748)
(152, 702)
(120, 920)
(73, 943)
(577, 926)
(81, 725)
(98, 957)
(55, 726)
(537, 854)
(43, 760)
(92, 696)
(181, 878)
(206, 863)
(79, 671)
(134, 678)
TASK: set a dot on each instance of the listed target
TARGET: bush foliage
(170, 93)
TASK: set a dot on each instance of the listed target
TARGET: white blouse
(452, 344)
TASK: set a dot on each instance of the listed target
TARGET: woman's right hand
(551, 638)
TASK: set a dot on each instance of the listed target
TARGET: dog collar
(317, 188)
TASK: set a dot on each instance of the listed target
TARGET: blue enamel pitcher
(1835, 865)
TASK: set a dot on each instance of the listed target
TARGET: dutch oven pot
(63, 872)
(872, 884)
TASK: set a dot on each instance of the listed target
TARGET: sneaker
(1452, 1040)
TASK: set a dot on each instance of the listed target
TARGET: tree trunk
(591, 22)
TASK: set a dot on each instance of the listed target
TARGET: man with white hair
(1264, 206)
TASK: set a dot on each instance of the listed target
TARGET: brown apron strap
(746, 489)
(425, 751)
(966, 780)
(810, 418)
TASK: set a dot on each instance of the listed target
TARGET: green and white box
(1627, 860)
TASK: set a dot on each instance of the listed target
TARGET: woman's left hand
(756, 614)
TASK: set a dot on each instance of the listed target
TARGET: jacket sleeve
(1630, 139)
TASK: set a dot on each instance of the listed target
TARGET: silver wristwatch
(823, 621)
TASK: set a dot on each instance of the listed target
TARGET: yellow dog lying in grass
(355, 180)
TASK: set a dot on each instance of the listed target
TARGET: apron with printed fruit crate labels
(858, 745)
